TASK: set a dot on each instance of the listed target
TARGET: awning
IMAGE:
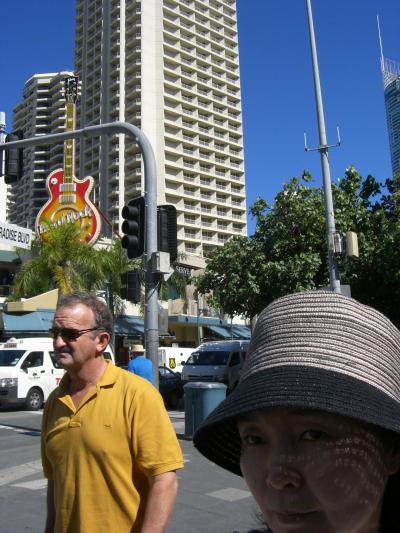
(129, 325)
(8, 256)
(228, 332)
(193, 320)
(241, 332)
(38, 322)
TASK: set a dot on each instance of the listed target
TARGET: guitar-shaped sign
(69, 197)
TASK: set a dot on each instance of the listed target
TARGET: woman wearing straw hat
(314, 424)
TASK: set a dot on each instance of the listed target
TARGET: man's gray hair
(102, 315)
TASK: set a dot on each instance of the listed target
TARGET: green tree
(288, 250)
(113, 261)
(61, 261)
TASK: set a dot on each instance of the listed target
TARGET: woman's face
(314, 472)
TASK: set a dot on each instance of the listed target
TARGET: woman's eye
(312, 434)
(251, 440)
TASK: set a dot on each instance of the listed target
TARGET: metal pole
(149, 162)
(323, 150)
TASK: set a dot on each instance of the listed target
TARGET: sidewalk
(209, 499)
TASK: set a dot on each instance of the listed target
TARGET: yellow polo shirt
(101, 454)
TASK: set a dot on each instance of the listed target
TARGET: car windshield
(10, 357)
(208, 358)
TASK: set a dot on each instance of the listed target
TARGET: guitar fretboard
(69, 145)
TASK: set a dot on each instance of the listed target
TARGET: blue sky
(277, 86)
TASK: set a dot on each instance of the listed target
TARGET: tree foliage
(63, 262)
(288, 252)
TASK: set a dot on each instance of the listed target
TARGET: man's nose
(283, 473)
(58, 342)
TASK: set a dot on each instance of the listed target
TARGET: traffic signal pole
(150, 175)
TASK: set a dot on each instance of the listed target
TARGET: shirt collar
(108, 379)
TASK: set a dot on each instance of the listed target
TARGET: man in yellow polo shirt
(109, 450)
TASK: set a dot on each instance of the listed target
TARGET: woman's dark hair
(102, 315)
(390, 516)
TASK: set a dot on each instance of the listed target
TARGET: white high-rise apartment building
(41, 111)
(170, 67)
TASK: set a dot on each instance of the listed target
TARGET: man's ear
(104, 339)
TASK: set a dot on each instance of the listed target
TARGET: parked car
(171, 387)
(216, 361)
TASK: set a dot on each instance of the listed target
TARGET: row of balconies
(213, 91)
(195, 137)
(207, 196)
(205, 45)
(199, 166)
(177, 152)
(187, 118)
(203, 209)
(212, 225)
(213, 11)
(211, 80)
(201, 23)
(227, 187)
(212, 51)
(177, 95)
(218, 69)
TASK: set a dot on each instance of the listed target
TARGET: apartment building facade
(41, 111)
(170, 67)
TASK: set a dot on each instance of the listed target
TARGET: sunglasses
(68, 334)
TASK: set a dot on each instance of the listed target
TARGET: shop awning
(228, 332)
(129, 325)
(36, 323)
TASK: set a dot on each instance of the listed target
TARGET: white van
(216, 361)
(29, 371)
(173, 356)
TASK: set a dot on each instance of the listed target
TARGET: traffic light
(167, 231)
(13, 159)
(130, 286)
(133, 227)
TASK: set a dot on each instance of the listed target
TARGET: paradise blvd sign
(15, 235)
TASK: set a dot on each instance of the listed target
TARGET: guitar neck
(69, 152)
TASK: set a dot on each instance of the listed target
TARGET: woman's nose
(283, 474)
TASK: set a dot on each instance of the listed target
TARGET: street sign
(15, 235)
(185, 271)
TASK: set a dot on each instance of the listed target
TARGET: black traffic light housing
(13, 167)
(167, 231)
(133, 227)
(130, 286)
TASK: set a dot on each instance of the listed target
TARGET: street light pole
(323, 150)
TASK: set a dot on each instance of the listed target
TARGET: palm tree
(114, 261)
(61, 262)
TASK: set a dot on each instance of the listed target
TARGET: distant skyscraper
(171, 68)
(391, 84)
(41, 111)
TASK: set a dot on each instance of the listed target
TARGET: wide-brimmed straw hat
(316, 350)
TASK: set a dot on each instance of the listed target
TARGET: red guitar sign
(69, 200)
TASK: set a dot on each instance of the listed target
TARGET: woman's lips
(293, 517)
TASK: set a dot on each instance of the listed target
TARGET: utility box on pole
(351, 244)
